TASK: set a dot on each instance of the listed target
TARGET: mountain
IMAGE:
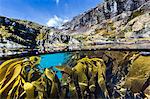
(115, 21)
(106, 10)
(112, 17)
(114, 24)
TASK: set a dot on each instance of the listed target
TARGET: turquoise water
(51, 60)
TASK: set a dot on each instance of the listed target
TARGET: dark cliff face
(19, 31)
(27, 34)
(106, 10)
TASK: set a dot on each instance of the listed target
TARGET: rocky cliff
(22, 36)
(114, 21)
(106, 10)
(114, 24)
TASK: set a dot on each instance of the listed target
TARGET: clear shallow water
(50, 60)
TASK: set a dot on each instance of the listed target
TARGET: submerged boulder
(139, 73)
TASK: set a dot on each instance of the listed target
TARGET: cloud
(56, 22)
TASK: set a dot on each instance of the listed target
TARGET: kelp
(21, 77)
(139, 73)
(84, 74)
(29, 89)
(13, 79)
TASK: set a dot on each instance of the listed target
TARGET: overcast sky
(46, 12)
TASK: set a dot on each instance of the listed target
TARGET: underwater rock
(147, 91)
(139, 73)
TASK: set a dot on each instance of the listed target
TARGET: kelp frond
(21, 78)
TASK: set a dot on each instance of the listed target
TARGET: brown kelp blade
(65, 69)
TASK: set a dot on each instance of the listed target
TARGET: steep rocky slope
(115, 21)
(25, 36)
(106, 10)
(112, 16)
(21, 32)
(114, 24)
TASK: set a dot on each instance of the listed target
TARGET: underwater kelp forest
(85, 75)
